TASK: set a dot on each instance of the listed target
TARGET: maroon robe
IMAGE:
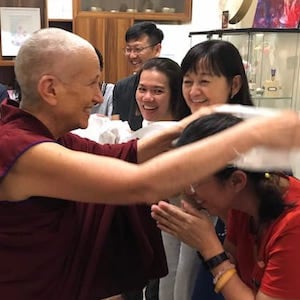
(56, 249)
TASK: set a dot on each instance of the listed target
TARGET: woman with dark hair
(260, 255)
(159, 98)
(213, 73)
(159, 95)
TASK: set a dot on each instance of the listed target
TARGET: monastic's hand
(190, 225)
(196, 115)
(282, 130)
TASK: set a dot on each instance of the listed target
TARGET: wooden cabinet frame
(6, 65)
(184, 16)
(106, 31)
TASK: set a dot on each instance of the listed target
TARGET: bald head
(48, 51)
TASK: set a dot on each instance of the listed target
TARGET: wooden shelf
(262, 98)
(6, 63)
(159, 10)
(178, 17)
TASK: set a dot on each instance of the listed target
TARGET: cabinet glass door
(133, 6)
(273, 59)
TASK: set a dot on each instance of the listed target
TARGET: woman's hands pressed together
(192, 226)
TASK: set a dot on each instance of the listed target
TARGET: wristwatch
(216, 260)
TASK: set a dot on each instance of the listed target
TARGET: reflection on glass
(133, 6)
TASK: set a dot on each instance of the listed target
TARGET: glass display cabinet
(271, 58)
(142, 9)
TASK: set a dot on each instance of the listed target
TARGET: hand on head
(279, 130)
(203, 111)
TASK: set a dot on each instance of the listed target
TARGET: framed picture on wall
(17, 24)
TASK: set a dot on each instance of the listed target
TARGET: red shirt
(275, 267)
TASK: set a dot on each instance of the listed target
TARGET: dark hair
(149, 29)
(172, 71)
(100, 58)
(271, 203)
(220, 58)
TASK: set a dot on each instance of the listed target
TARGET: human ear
(236, 85)
(238, 180)
(157, 49)
(47, 88)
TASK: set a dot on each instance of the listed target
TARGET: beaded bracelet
(224, 278)
(220, 273)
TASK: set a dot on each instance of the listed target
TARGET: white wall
(59, 9)
(205, 16)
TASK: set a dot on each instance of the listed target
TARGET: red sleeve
(282, 273)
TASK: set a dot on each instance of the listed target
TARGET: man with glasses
(143, 41)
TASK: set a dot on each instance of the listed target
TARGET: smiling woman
(80, 82)
(213, 73)
(159, 98)
(143, 42)
(159, 94)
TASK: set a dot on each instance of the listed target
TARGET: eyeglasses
(137, 50)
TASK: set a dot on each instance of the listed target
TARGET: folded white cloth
(245, 111)
(105, 131)
(262, 158)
